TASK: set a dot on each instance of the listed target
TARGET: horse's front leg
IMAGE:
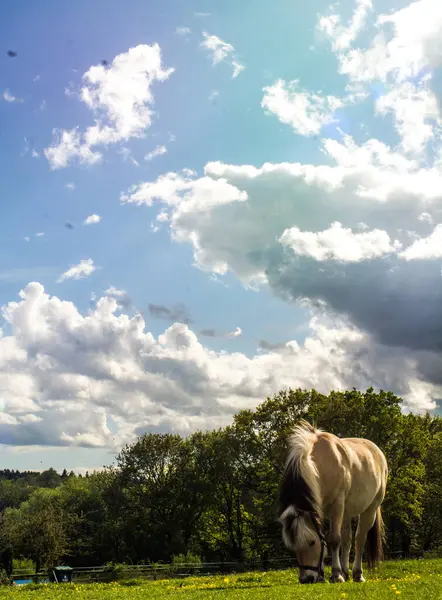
(346, 538)
(334, 542)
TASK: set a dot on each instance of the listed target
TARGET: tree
(84, 510)
(162, 490)
(49, 478)
(36, 529)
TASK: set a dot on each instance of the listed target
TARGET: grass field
(394, 580)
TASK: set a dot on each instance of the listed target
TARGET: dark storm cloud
(265, 345)
(398, 302)
(176, 313)
(208, 332)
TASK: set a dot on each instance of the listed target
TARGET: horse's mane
(299, 489)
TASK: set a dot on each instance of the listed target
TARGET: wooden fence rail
(105, 573)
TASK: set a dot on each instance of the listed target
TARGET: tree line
(214, 494)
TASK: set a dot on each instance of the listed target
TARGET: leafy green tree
(225, 522)
(163, 482)
(84, 512)
(36, 530)
(13, 493)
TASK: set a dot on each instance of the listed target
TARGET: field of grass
(402, 580)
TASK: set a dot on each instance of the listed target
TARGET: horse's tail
(375, 541)
(299, 486)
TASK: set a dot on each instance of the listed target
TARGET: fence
(106, 573)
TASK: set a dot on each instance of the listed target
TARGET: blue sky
(333, 99)
(57, 40)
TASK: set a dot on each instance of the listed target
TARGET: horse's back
(354, 468)
(369, 472)
(366, 450)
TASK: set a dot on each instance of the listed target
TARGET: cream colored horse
(327, 477)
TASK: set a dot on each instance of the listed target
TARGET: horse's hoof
(345, 575)
(337, 578)
(358, 578)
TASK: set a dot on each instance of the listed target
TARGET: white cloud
(338, 243)
(39, 234)
(270, 225)
(26, 147)
(237, 68)
(426, 218)
(342, 37)
(234, 334)
(368, 183)
(114, 292)
(68, 146)
(416, 111)
(9, 97)
(158, 151)
(183, 30)
(91, 219)
(83, 269)
(64, 375)
(304, 111)
(406, 46)
(120, 97)
(70, 186)
(127, 156)
(121, 296)
(173, 187)
(221, 51)
(30, 418)
(426, 248)
(408, 41)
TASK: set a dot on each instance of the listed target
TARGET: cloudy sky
(203, 203)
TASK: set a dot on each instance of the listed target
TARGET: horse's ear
(288, 516)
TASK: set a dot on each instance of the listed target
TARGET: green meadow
(411, 580)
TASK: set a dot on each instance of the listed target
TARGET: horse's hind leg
(366, 521)
(345, 546)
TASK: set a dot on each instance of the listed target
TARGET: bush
(435, 553)
(4, 578)
(186, 563)
(23, 565)
(114, 570)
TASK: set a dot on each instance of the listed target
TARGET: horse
(327, 477)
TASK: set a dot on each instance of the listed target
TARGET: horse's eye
(312, 543)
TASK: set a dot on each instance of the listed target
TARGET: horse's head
(301, 533)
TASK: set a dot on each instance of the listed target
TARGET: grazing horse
(332, 478)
